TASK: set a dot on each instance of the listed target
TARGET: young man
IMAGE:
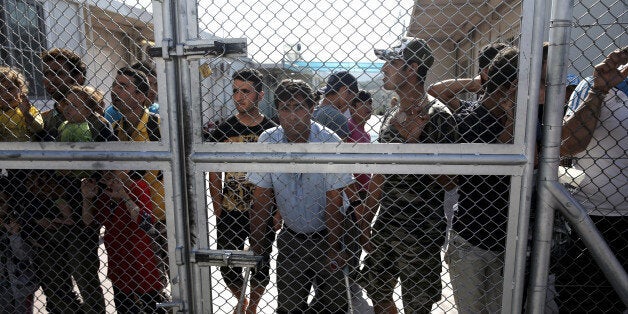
(232, 196)
(62, 69)
(130, 96)
(594, 133)
(309, 245)
(147, 67)
(407, 236)
(477, 241)
(333, 111)
(448, 90)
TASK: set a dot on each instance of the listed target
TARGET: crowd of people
(327, 220)
(52, 219)
(335, 232)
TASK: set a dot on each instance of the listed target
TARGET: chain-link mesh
(395, 73)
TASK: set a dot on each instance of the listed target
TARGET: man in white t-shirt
(594, 134)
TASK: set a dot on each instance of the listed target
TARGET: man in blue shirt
(112, 114)
(309, 245)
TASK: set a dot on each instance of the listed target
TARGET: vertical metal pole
(530, 61)
(167, 10)
(582, 223)
(187, 18)
(559, 35)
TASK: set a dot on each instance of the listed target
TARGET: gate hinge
(201, 48)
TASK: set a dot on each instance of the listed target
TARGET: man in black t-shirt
(232, 194)
(477, 243)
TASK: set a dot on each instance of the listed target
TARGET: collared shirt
(301, 197)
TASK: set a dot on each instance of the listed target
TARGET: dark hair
(488, 53)
(68, 59)
(290, 89)
(147, 67)
(363, 96)
(250, 75)
(16, 77)
(503, 69)
(421, 70)
(140, 80)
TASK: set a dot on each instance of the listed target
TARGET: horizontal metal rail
(344, 158)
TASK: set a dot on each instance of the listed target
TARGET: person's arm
(367, 210)
(578, 128)
(335, 230)
(32, 117)
(447, 90)
(508, 121)
(215, 191)
(89, 190)
(263, 202)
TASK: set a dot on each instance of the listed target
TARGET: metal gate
(198, 45)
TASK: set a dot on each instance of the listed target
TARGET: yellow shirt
(152, 177)
(13, 127)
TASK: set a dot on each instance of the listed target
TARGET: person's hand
(13, 227)
(116, 190)
(606, 75)
(46, 223)
(24, 104)
(89, 188)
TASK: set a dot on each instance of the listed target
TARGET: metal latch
(169, 305)
(202, 48)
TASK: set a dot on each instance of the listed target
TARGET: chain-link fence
(357, 156)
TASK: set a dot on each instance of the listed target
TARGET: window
(22, 38)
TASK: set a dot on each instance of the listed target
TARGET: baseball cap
(410, 49)
(339, 79)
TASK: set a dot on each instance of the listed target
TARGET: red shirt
(132, 263)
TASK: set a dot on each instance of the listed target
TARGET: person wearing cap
(594, 133)
(405, 241)
(341, 89)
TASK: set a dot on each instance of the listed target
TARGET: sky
(342, 30)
